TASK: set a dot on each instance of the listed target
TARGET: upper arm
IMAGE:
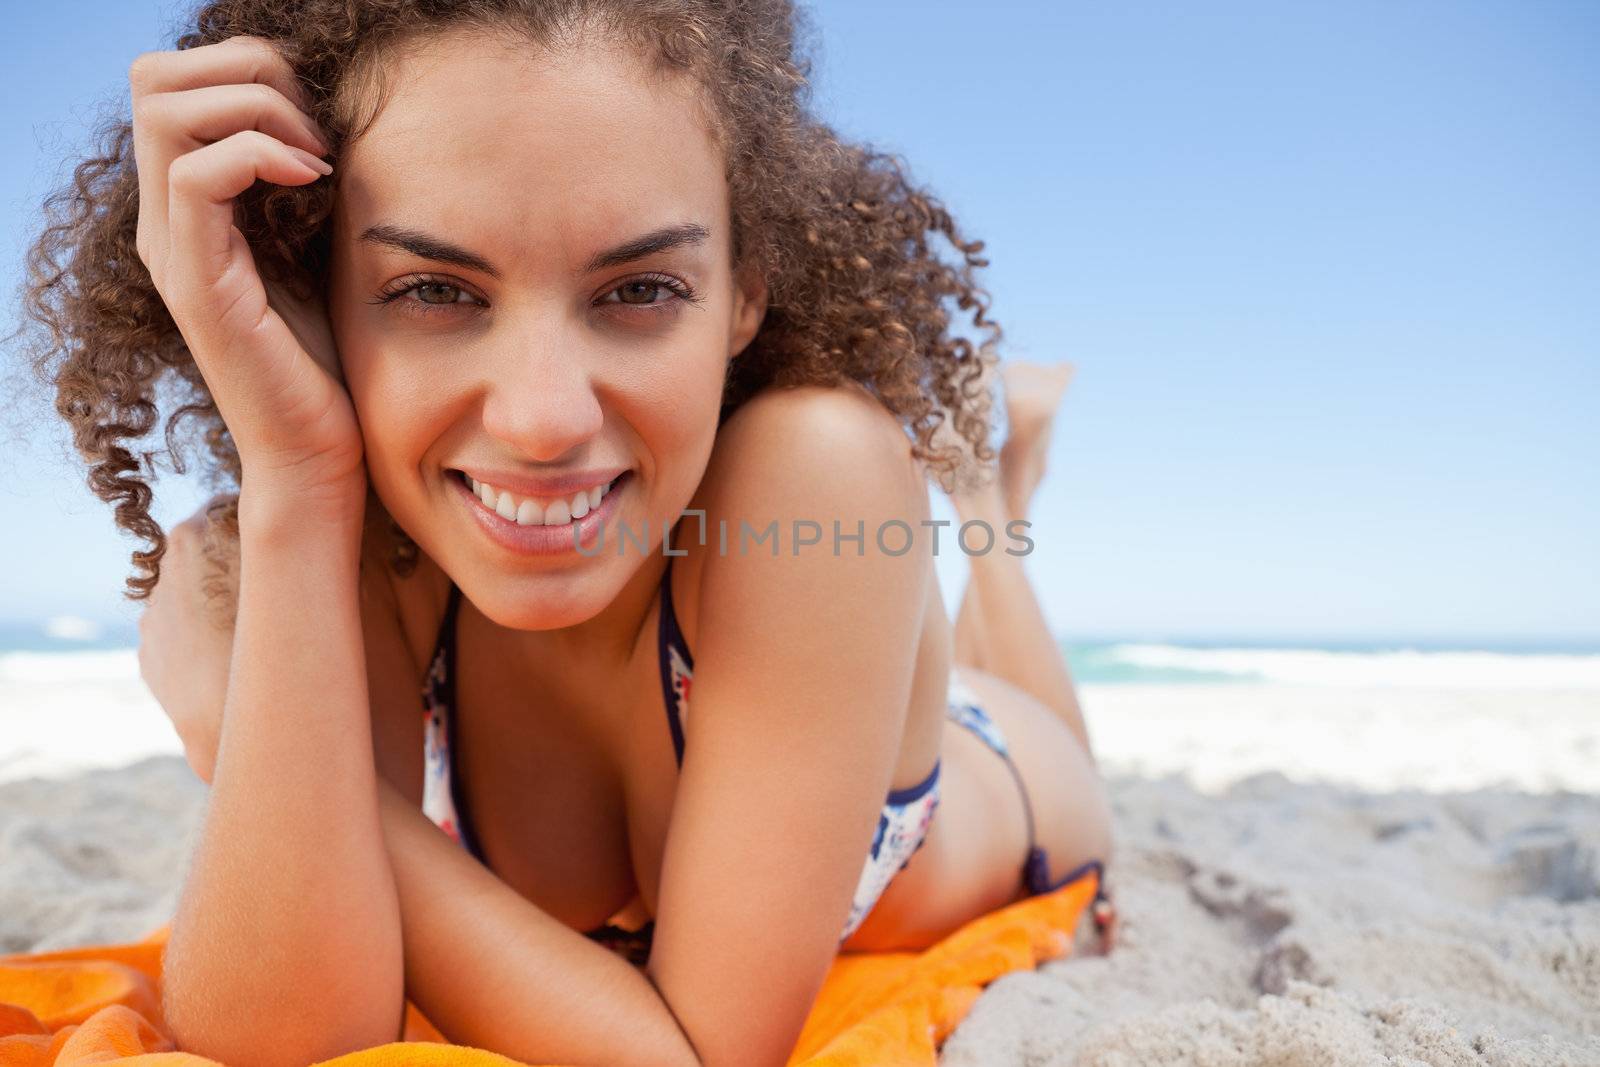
(803, 670)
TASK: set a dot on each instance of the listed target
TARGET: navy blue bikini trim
(631, 943)
(669, 638)
(463, 812)
(901, 797)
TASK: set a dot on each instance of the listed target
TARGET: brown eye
(429, 296)
(644, 293)
(630, 290)
(448, 292)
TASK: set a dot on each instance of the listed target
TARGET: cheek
(673, 406)
(400, 414)
(661, 403)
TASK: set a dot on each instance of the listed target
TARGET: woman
(577, 270)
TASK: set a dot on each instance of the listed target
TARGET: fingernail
(316, 137)
(321, 166)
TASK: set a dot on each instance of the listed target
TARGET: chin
(551, 600)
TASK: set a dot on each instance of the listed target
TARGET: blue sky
(1329, 273)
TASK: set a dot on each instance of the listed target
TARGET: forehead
(515, 141)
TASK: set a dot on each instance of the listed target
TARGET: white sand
(1285, 924)
(96, 858)
(1382, 908)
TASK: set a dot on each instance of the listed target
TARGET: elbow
(245, 1039)
(271, 1028)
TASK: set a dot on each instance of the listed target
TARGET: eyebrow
(434, 248)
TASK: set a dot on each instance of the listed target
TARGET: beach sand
(1288, 924)
(1305, 876)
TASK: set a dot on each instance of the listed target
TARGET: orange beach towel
(92, 1005)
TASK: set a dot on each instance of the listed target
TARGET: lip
(545, 488)
(542, 540)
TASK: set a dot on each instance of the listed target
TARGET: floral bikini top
(902, 824)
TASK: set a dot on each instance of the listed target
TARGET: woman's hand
(186, 637)
(208, 123)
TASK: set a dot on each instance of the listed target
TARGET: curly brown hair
(856, 290)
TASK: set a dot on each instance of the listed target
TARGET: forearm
(289, 912)
(493, 971)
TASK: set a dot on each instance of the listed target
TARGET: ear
(749, 309)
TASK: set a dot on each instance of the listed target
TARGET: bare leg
(970, 649)
(1000, 627)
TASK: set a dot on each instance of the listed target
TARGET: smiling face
(532, 288)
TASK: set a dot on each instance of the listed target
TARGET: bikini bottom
(965, 709)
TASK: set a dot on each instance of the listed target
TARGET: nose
(540, 399)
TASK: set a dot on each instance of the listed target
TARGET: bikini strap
(446, 645)
(452, 607)
(669, 619)
(674, 660)
(447, 697)
(445, 640)
(1035, 854)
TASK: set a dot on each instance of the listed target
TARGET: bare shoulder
(812, 444)
(817, 456)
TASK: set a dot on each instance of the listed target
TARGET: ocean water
(66, 633)
(1376, 665)
(67, 647)
(1376, 716)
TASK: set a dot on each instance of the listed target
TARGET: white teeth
(531, 512)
